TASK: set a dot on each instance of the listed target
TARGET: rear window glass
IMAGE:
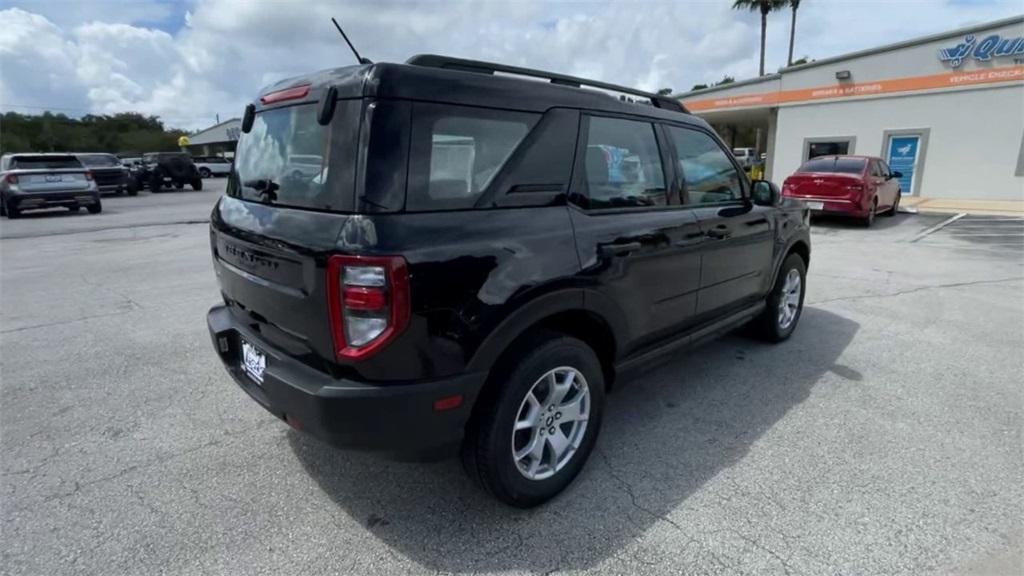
(838, 165)
(100, 161)
(44, 162)
(457, 151)
(286, 158)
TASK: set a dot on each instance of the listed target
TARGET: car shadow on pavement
(665, 435)
(882, 221)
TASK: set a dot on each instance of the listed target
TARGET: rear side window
(100, 160)
(457, 151)
(44, 162)
(287, 159)
(708, 173)
(835, 165)
(623, 165)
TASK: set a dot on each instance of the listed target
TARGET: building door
(903, 154)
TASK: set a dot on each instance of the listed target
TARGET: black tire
(95, 208)
(487, 451)
(74, 208)
(868, 220)
(769, 325)
(132, 189)
(197, 184)
(177, 167)
(13, 212)
(204, 172)
(3, 206)
(895, 205)
(156, 182)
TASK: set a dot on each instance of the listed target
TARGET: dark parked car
(160, 170)
(37, 181)
(110, 175)
(857, 186)
(478, 257)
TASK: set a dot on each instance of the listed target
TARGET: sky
(188, 61)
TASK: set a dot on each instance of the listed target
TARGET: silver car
(35, 181)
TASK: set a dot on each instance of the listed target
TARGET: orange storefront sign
(932, 82)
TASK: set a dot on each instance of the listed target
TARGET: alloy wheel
(551, 423)
(789, 301)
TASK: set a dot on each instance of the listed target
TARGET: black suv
(165, 169)
(421, 256)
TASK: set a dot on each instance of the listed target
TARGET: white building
(219, 139)
(946, 110)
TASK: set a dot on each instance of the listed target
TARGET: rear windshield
(100, 160)
(837, 165)
(286, 159)
(44, 162)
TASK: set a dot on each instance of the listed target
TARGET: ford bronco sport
(473, 259)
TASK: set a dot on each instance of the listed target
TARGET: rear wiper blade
(266, 187)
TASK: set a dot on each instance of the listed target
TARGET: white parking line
(938, 226)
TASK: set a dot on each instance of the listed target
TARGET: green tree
(794, 6)
(765, 7)
(48, 132)
(664, 92)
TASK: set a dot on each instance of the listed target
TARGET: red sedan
(858, 186)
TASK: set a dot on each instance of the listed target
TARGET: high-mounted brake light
(368, 303)
(293, 93)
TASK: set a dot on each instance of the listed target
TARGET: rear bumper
(394, 418)
(32, 201)
(841, 206)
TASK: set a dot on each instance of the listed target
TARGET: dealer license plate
(254, 362)
(816, 205)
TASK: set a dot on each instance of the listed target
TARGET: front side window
(622, 164)
(708, 173)
(457, 151)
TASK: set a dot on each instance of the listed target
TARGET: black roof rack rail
(447, 62)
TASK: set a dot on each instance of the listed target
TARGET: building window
(814, 147)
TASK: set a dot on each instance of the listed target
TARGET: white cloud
(96, 56)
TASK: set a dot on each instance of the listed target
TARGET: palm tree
(794, 5)
(764, 7)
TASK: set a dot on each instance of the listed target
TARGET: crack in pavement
(918, 289)
(628, 489)
(103, 229)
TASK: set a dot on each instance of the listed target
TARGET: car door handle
(618, 249)
(718, 233)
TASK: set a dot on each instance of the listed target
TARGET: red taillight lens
(12, 178)
(286, 94)
(368, 300)
(88, 175)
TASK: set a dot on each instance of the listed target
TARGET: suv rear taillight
(88, 175)
(12, 178)
(368, 300)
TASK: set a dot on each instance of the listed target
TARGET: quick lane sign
(989, 48)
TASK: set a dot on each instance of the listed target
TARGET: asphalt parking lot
(884, 438)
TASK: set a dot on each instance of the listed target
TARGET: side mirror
(896, 175)
(765, 193)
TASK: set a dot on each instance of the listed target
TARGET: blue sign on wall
(994, 46)
(903, 159)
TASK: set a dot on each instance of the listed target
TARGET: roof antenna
(354, 51)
